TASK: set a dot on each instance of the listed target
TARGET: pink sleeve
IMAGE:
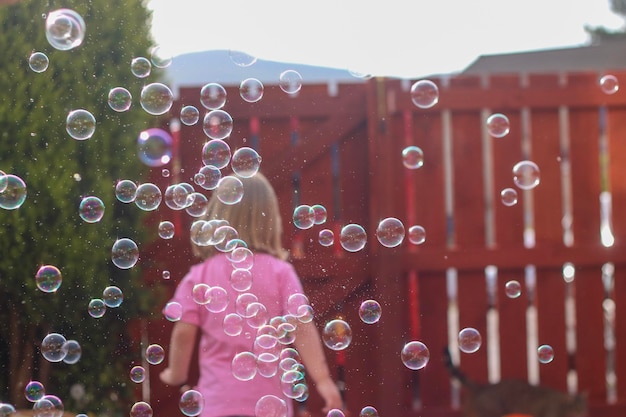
(183, 296)
(290, 284)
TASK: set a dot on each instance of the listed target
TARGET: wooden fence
(564, 241)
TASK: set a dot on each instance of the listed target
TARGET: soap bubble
(335, 412)
(148, 197)
(34, 391)
(125, 191)
(290, 81)
(217, 124)
(48, 278)
(166, 275)
(213, 96)
(96, 308)
(245, 162)
(390, 232)
(218, 299)
(212, 176)
(65, 29)
(14, 193)
(412, 157)
(44, 408)
(166, 230)
(124, 253)
(154, 147)
(368, 411)
(415, 355)
(53, 347)
(91, 209)
(498, 125)
(189, 115)
(161, 57)
(241, 59)
(38, 62)
(120, 99)
(251, 90)
(155, 354)
(229, 190)
(370, 311)
(197, 204)
(526, 175)
(140, 67)
(508, 196)
(241, 279)
(545, 353)
(191, 403)
(353, 237)
(6, 409)
(424, 94)
(141, 409)
(326, 237)
(270, 406)
(609, 84)
(337, 334)
(173, 311)
(469, 340)
(243, 366)
(303, 217)
(80, 124)
(156, 99)
(319, 213)
(416, 235)
(112, 296)
(137, 374)
(233, 324)
(216, 153)
(74, 352)
(513, 289)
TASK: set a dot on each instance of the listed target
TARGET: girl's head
(256, 218)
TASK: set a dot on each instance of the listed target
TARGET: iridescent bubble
(229, 190)
(609, 84)
(141, 409)
(241, 257)
(189, 115)
(242, 302)
(216, 153)
(416, 235)
(38, 62)
(173, 311)
(120, 99)
(197, 205)
(124, 253)
(213, 96)
(267, 364)
(6, 409)
(241, 280)
(513, 289)
(415, 355)
(368, 411)
(155, 354)
(14, 193)
(53, 347)
(218, 299)
(191, 403)
(303, 217)
(290, 81)
(156, 99)
(217, 124)
(526, 175)
(412, 157)
(48, 278)
(125, 191)
(337, 334)
(166, 230)
(243, 366)
(256, 315)
(326, 237)
(137, 374)
(96, 308)
(498, 125)
(295, 301)
(353, 237)
(65, 29)
(199, 293)
(148, 197)
(154, 147)
(140, 67)
(241, 59)
(251, 90)
(34, 391)
(74, 352)
(390, 232)
(166, 274)
(335, 412)
(545, 353)
(165, 173)
(112, 296)
(370, 311)
(161, 57)
(176, 195)
(424, 94)
(91, 209)
(233, 324)
(245, 162)
(469, 340)
(270, 406)
(44, 408)
(508, 196)
(3, 181)
(80, 124)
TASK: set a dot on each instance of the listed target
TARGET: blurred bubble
(270, 406)
(526, 175)
(141, 409)
(229, 190)
(155, 354)
(120, 99)
(218, 299)
(267, 365)
(112, 296)
(335, 412)
(412, 157)
(368, 411)
(166, 274)
(173, 311)
(390, 232)
(34, 391)
(290, 81)
(125, 191)
(241, 280)
(242, 302)
(38, 62)
(191, 403)
(217, 124)
(245, 162)
(161, 57)
(251, 90)
(295, 301)
(124, 253)
(370, 311)
(53, 347)
(241, 59)
(416, 235)
(353, 237)
(216, 153)
(80, 124)
(609, 84)
(233, 324)
(498, 125)
(96, 308)
(508, 196)
(65, 29)
(140, 67)
(337, 334)
(154, 147)
(91, 209)
(513, 289)
(137, 374)
(14, 193)
(469, 340)
(74, 352)
(326, 237)
(213, 96)
(148, 197)
(165, 173)
(243, 366)
(57, 404)
(424, 94)
(156, 99)
(545, 353)
(44, 408)
(48, 279)
(6, 409)
(166, 230)
(415, 355)
(303, 217)
(189, 115)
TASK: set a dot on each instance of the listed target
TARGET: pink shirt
(273, 281)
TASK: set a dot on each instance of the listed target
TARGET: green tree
(58, 172)
(599, 34)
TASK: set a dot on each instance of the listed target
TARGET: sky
(402, 38)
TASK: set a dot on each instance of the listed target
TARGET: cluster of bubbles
(56, 348)
(47, 406)
(112, 297)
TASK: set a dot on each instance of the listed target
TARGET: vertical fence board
(512, 316)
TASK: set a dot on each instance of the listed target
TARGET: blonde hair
(256, 218)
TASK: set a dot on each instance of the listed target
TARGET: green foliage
(599, 34)
(58, 172)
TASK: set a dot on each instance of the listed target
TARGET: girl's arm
(181, 348)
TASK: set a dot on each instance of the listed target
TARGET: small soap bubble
(213, 96)
(140, 67)
(326, 237)
(74, 352)
(166, 230)
(120, 99)
(53, 347)
(416, 235)
(217, 124)
(156, 99)
(233, 324)
(91, 209)
(241, 280)
(270, 406)
(176, 195)
(609, 84)
(545, 353)
(526, 175)
(242, 302)
(112, 296)
(173, 311)
(48, 279)
(148, 197)
(241, 59)
(335, 412)
(56, 403)
(290, 81)
(508, 196)
(412, 157)
(243, 366)
(370, 311)
(368, 411)
(165, 173)
(80, 124)
(65, 29)
(124, 253)
(229, 190)
(218, 299)
(38, 62)
(161, 57)
(34, 391)
(96, 308)
(141, 409)
(125, 191)
(319, 213)
(256, 315)
(166, 274)
(216, 153)
(245, 162)
(390, 232)
(191, 403)
(415, 355)
(199, 178)
(155, 354)
(353, 237)
(137, 374)
(154, 147)
(469, 340)
(303, 217)
(14, 193)
(189, 115)
(513, 289)
(199, 293)
(251, 90)
(498, 125)
(295, 301)
(337, 334)
(424, 94)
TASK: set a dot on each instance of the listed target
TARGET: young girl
(257, 220)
